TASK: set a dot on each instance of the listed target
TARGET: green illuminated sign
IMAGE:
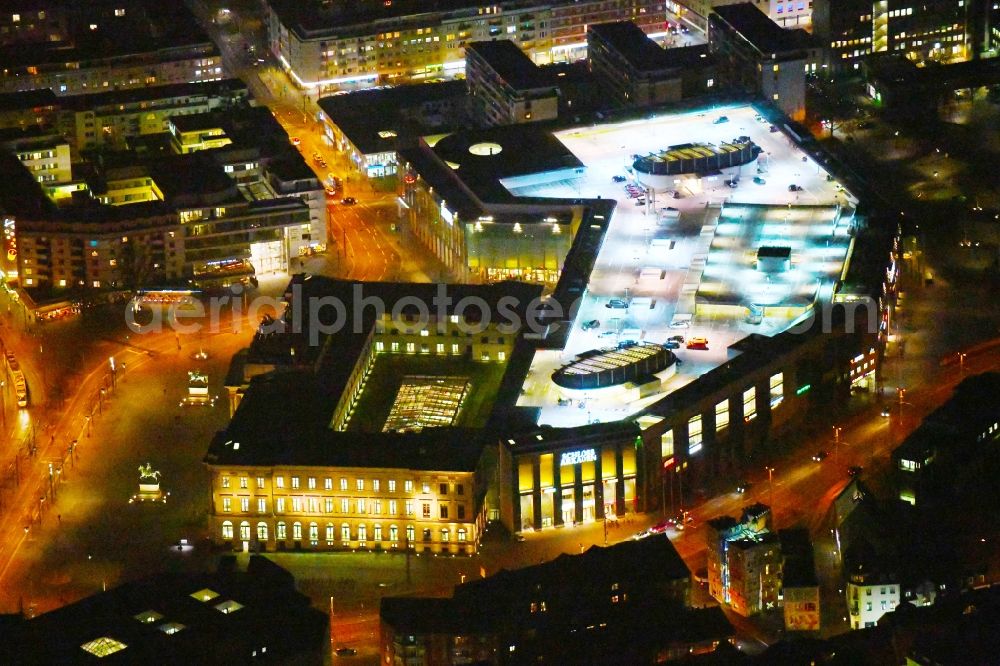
(803, 389)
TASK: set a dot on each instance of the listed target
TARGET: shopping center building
(730, 235)
(686, 323)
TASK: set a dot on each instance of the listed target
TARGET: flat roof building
(229, 615)
(327, 46)
(639, 72)
(225, 209)
(938, 30)
(105, 45)
(506, 86)
(369, 435)
(633, 609)
(757, 55)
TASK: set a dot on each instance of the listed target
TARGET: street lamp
(836, 443)
(961, 363)
(770, 489)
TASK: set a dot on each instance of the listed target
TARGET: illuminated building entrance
(572, 475)
(268, 257)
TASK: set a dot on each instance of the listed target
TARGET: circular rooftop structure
(659, 170)
(600, 368)
(485, 148)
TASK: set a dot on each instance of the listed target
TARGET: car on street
(773, 129)
(854, 470)
(331, 192)
(720, 120)
(296, 141)
(820, 456)
(759, 181)
(697, 343)
(676, 338)
(671, 344)
(617, 304)
(794, 188)
(618, 179)
(590, 325)
(734, 183)
(885, 411)
(658, 528)
(348, 201)
(742, 487)
(606, 334)
(346, 652)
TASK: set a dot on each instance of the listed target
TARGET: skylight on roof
(205, 594)
(103, 646)
(148, 617)
(230, 606)
(171, 628)
(387, 134)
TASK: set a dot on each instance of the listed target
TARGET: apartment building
(45, 155)
(638, 72)
(755, 54)
(327, 46)
(506, 86)
(940, 30)
(104, 45)
(227, 213)
(786, 13)
(871, 593)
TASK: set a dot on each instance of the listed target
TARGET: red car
(697, 343)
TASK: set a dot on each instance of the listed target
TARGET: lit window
(343, 483)
(227, 504)
(392, 485)
(225, 482)
(361, 484)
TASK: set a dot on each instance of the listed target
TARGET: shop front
(574, 475)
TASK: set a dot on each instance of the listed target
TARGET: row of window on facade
(695, 427)
(346, 535)
(439, 348)
(363, 506)
(443, 488)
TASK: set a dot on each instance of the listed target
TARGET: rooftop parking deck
(669, 261)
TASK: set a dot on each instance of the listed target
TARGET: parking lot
(657, 247)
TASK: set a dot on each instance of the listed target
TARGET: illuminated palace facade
(328, 45)
(338, 507)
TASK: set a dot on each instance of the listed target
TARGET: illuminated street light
(770, 489)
